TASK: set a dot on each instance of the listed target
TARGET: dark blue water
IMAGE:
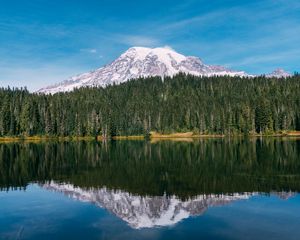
(211, 189)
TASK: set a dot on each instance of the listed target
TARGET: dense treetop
(222, 105)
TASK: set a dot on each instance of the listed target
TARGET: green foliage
(263, 116)
(204, 105)
(185, 169)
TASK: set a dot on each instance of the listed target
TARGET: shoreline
(188, 136)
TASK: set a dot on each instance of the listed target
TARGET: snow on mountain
(146, 211)
(278, 73)
(141, 62)
(151, 211)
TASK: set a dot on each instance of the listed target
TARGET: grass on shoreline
(154, 136)
(183, 135)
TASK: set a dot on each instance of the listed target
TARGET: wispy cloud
(35, 74)
(89, 50)
(34, 29)
(265, 10)
(268, 58)
(199, 21)
(246, 35)
(35, 78)
(137, 40)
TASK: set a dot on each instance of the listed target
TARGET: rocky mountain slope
(146, 211)
(278, 73)
(144, 62)
(151, 211)
(141, 62)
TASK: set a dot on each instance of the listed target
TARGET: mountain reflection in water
(146, 211)
(155, 184)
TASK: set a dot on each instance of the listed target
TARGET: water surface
(208, 189)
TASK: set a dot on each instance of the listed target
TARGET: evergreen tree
(203, 105)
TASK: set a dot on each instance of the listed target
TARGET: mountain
(151, 211)
(146, 211)
(145, 62)
(141, 62)
(278, 73)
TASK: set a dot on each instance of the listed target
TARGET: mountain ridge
(146, 62)
(146, 211)
(151, 211)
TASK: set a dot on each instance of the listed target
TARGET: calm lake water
(202, 189)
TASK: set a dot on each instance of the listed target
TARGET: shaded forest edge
(156, 137)
(184, 106)
(174, 168)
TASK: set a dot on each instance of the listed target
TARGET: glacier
(139, 62)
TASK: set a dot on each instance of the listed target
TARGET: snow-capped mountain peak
(279, 73)
(146, 211)
(164, 54)
(151, 211)
(141, 62)
(146, 62)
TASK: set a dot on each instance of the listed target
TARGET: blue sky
(43, 42)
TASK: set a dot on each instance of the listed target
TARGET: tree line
(184, 169)
(204, 105)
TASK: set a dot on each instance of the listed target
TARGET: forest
(184, 169)
(203, 105)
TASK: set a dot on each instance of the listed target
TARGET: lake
(187, 189)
